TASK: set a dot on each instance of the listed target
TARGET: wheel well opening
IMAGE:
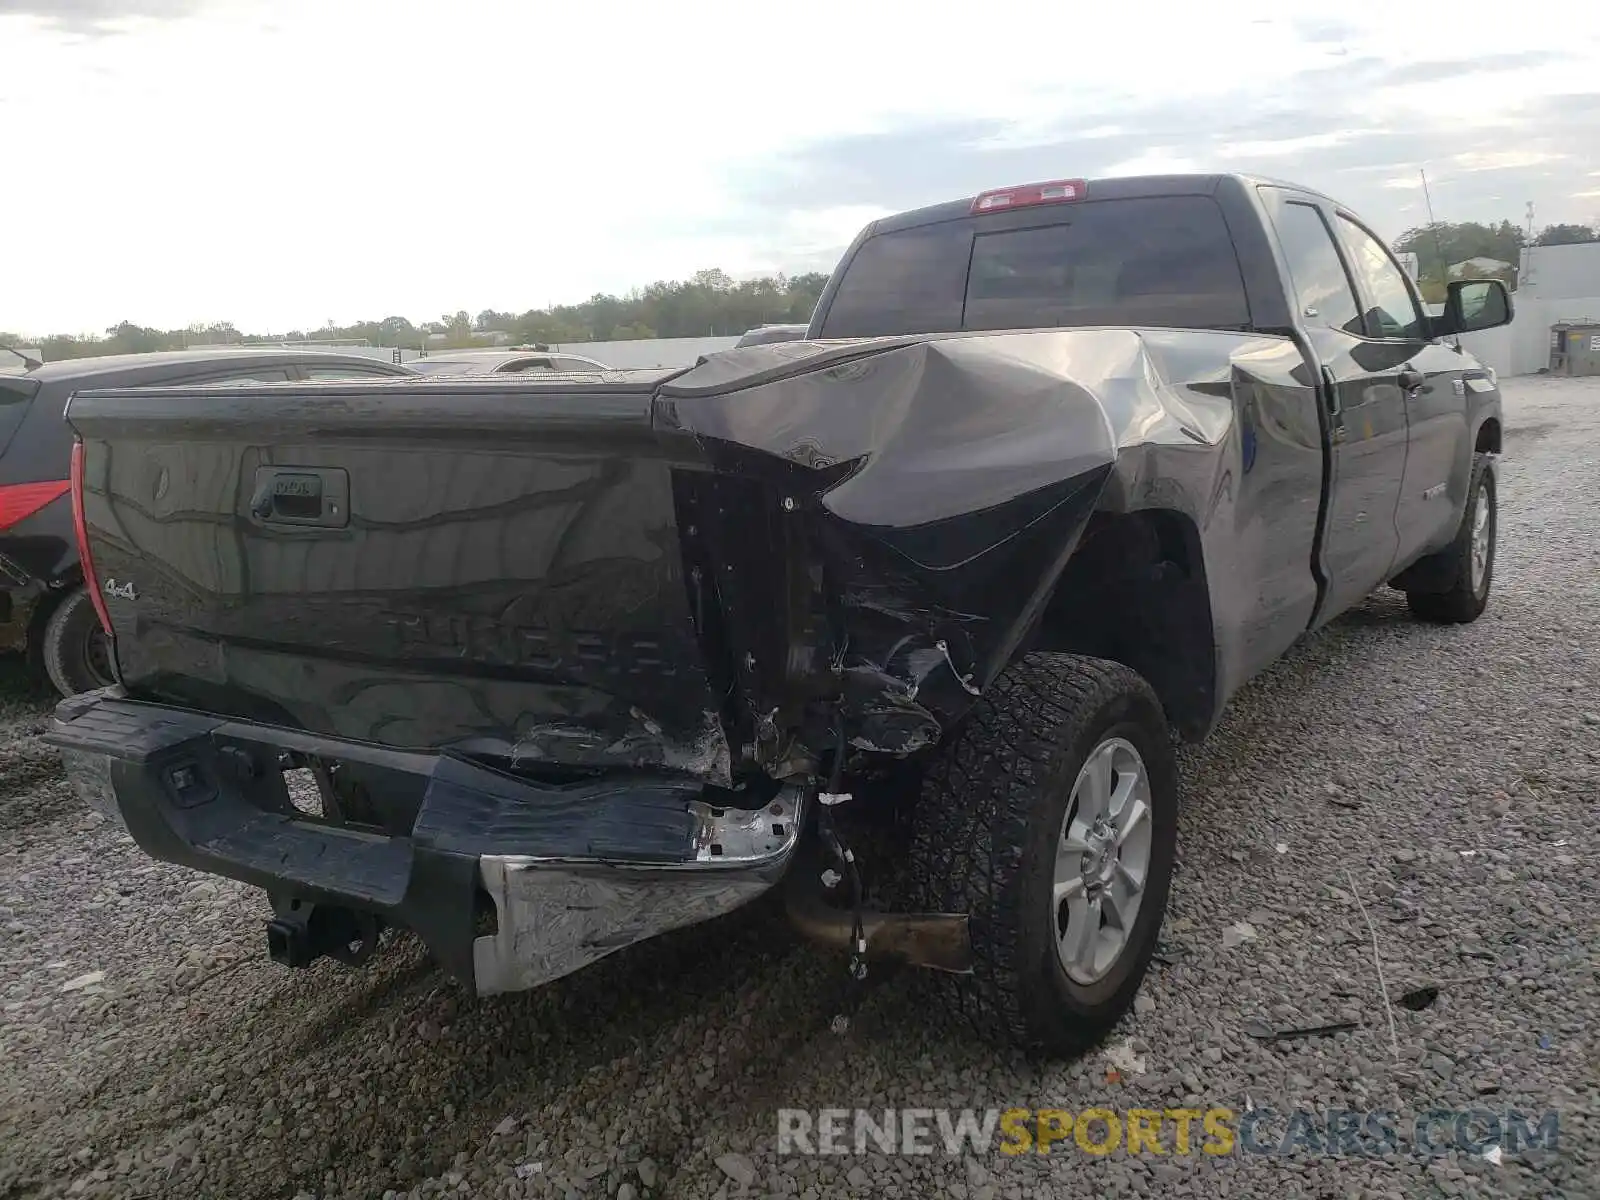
(1135, 592)
(1488, 437)
(51, 599)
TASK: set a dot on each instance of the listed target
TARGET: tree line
(710, 304)
(713, 304)
(1443, 244)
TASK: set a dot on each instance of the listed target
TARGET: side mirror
(1473, 304)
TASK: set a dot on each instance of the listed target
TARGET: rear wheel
(75, 651)
(1469, 559)
(1051, 821)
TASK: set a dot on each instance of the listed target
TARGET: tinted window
(259, 375)
(1165, 261)
(1322, 289)
(1394, 312)
(316, 372)
(909, 281)
(14, 397)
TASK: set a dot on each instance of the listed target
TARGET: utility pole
(1438, 246)
(1525, 267)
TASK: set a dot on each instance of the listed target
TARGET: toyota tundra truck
(575, 660)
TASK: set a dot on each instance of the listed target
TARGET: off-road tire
(984, 837)
(67, 650)
(1463, 602)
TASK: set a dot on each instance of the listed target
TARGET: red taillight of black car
(90, 580)
(19, 501)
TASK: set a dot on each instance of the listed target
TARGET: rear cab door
(1429, 378)
(1365, 409)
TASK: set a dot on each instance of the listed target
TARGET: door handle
(1330, 387)
(1411, 380)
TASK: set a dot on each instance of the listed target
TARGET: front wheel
(1051, 821)
(1468, 559)
(75, 651)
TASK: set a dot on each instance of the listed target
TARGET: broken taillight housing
(90, 580)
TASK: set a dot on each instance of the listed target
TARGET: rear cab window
(1165, 261)
(1321, 285)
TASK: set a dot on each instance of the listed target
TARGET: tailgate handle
(318, 497)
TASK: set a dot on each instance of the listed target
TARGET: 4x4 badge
(122, 591)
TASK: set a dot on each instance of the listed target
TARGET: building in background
(1556, 285)
(1480, 268)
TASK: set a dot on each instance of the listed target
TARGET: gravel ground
(1444, 779)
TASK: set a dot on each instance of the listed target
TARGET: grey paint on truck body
(939, 486)
(950, 427)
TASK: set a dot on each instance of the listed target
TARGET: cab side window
(1392, 311)
(1321, 286)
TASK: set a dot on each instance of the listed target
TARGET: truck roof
(1115, 188)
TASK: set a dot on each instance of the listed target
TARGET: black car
(43, 607)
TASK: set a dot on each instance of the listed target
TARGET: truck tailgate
(487, 565)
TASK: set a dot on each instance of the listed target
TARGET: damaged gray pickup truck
(576, 660)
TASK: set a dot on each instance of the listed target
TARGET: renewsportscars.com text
(1365, 1133)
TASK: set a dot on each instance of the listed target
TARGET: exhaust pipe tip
(938, 941)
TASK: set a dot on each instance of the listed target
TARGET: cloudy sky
(281, 163)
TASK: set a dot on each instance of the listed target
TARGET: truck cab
(1381, 467)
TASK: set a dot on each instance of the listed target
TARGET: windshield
(1162, 261)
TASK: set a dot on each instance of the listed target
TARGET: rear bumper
(571, 873)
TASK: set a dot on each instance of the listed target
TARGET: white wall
(1530, 340)
(1555, 283)
(1561, 272)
